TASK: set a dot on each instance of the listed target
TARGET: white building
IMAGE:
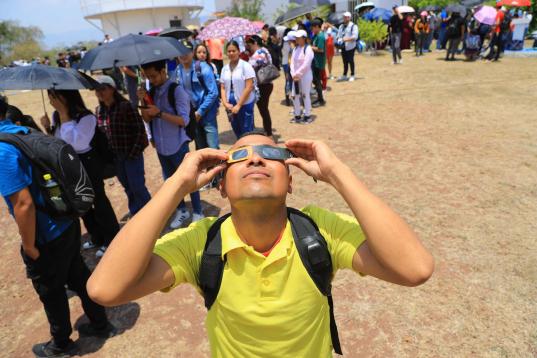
(121, 17)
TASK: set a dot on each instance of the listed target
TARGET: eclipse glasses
(264, 151)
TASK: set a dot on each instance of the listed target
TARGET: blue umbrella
(378, 14)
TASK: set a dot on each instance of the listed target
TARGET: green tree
(247, 9)
(24, 39)
(372, 32)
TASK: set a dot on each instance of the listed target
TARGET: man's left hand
(151, 110)
(314, 157)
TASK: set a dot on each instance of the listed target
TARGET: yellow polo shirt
(266, 306)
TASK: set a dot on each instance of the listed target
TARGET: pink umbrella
(486, 15)
(153, 32)
(258, 24)
(228, 28)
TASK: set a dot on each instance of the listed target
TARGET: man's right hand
(200, 167)
(32, 252)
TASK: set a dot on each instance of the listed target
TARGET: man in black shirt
(395, 29)
(455, 34)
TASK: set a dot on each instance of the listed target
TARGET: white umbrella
(404, 9)
(364, 5)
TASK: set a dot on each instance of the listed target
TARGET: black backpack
(505, 25)
(310, 244)
(51, 155)
(190, 129)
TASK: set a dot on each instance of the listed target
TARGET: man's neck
(187, 65)
(259, 225)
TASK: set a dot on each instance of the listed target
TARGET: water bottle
(55, 193)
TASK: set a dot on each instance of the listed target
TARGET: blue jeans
(288, 79)
(131, 174)
(441, 42)
(207, 131)
(243, 121)
(169, 164)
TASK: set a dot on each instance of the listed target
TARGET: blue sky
(61, 20)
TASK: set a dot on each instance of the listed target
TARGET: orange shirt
(216, 47)
(499, 19)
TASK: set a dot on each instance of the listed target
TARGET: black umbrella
(38, 76)
(42, 77)
(431, 8)
(471, 3)
(335, 18)
(178, 33)
(294, 13)
(456, 8)
(132, 50)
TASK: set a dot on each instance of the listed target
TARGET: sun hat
(291, 35)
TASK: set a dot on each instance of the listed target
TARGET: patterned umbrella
(486, 15)
(228, 28)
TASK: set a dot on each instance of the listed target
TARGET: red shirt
(499, 19)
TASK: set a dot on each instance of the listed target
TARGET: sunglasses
(264, 151)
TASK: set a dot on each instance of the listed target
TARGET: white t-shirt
(78, 134)
(240, 74)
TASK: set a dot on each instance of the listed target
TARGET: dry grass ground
(451, 146)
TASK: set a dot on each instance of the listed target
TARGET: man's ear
(290, 187)
(222, 189)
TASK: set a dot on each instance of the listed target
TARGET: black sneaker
(49, 349)
(88, 329)
(296, 119)
(307, 120)
(318, 104)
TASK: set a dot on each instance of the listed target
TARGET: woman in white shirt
(302, 77)
(76, 125)
(238, 95)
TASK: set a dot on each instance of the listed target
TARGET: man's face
(156, 78)
(346, 19)
(186, 59)
(316, 29)
(256, 179)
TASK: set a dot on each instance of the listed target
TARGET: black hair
(3, 108)
(157, 65)
(208, 59)
(233, 43)
(75, 104)
(265, 26)
(254, 132)
(286, 31)
(254, 39)
(272, 31)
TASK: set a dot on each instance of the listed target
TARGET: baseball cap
(188, 44)
(347, 14)
(301, 33)
(291, 35)
(106, 80)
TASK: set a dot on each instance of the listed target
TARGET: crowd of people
(455, 33)
(178, 102)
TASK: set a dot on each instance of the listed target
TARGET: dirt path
(451, 146)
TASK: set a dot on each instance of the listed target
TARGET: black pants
(60, 264)
(348, 60)
(219, 65)
(318, 83)
(100, 220)
(452, 47)
(265, 91)
(421, 39)
(496, 47)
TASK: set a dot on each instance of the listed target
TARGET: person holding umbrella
(455, 35)
(76, 125)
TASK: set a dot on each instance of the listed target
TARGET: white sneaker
(197, 217)
(351, 78)
(101, 251)
(342, 78)
(88, 245)
(179, 218)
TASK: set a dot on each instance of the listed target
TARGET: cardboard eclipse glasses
(264, 151)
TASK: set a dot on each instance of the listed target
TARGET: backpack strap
(212, 265)
(313, 251)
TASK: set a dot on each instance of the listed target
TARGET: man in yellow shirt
(267, 304)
